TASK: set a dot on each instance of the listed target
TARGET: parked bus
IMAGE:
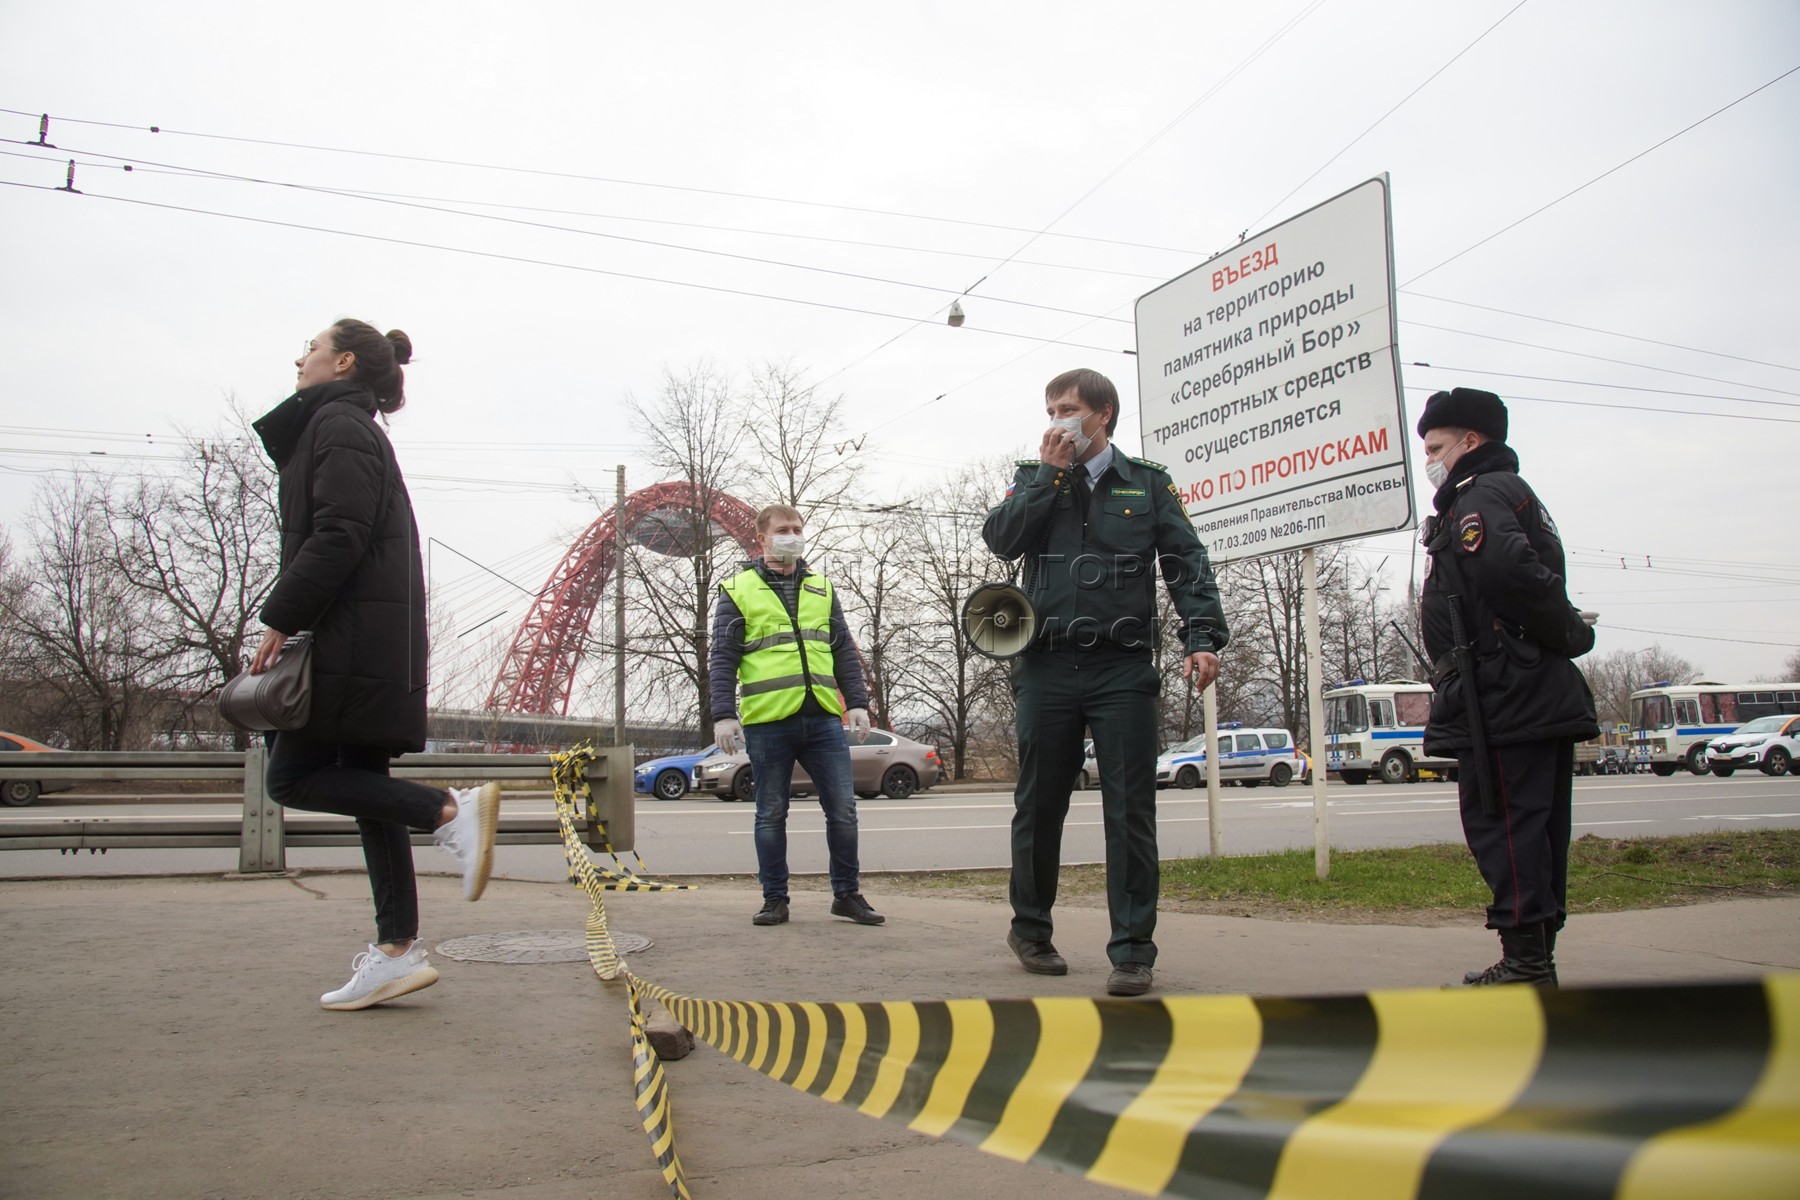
(1379, 729)
(1671, 722)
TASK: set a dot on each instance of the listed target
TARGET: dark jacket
(1493, 543)
(350, 569)
(728, 649)
(1091, 570)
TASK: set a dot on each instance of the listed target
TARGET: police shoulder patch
(1548, 524)
(1469, 532)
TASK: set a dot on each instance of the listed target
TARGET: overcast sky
(1057, 160)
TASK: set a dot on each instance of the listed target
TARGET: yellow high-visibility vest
(783, 656)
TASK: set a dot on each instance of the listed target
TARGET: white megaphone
(999, 620)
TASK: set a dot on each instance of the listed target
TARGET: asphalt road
(939, 830)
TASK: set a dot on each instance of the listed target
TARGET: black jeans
(353, 781)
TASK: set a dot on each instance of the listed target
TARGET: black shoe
(853, 905)
(774, 912)
(1524, 958)
(1040, 958)
(1128, 979)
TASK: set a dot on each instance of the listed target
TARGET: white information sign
(1269, 385)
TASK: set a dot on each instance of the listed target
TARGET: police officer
(1094, 526)
(1510, 704)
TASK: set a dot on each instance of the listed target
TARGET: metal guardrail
(260, 833)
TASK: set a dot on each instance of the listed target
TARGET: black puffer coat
(1493, 542)
(350, 569)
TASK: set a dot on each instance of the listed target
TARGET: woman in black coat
(350, 572)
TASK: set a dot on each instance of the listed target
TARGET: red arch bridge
(538, 673)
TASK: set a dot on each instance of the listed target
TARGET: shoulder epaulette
(1029, 462)
(1144, 462)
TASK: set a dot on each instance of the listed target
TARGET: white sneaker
(470, 835)
(380, 977)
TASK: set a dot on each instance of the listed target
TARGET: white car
(1767, 743)
(1246, 756)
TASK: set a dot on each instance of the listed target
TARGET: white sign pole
(1315, 709)
(1209, 716)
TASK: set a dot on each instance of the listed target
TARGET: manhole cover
(535, 946)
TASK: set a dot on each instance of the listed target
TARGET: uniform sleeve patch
(1547, 523)
(1469, 532)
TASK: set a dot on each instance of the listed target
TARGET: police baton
(1465, 671)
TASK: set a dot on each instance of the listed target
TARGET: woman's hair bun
(403, 347)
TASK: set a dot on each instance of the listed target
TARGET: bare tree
(1613, 677)
(1790, 670)
(949, 682)
(200, 543)
(880, 606)
(695, 437)
(90, 646)
(802, 455)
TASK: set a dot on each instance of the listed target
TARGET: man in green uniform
(1094, 526)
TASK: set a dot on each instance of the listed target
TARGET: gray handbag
(279, 698)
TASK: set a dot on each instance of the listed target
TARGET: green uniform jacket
(1091, 562)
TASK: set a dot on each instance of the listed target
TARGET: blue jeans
(817, 744)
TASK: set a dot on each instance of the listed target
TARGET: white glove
(729, 735)
(859, 724)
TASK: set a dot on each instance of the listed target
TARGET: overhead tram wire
(1623, 387)
(738, 229)
(199, 173)
(1702, 636)
(1079, 200)
(538, 171)
(1644, 408)
(1384, 116)
(1596, 179)
(1619, 362)
(1608, 332)
(1006, 228)
(522, 259)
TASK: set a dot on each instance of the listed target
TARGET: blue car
(668, 778)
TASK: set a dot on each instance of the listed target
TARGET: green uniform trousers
(1060, 695)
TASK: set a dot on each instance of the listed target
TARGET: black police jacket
(1091, 560)
(1493, 544)
(350, 568)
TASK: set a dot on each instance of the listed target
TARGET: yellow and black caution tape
(1629, 1092)
(1639, 1093)
(568, 772)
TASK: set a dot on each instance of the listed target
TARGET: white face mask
(785, 547)
(1437, 472)
(1073, 425)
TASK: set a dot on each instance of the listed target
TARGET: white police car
(1767, 743)
(1246, 756)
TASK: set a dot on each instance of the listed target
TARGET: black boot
(1524, 958)
(1478, 978)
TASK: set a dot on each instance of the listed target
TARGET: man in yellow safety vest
(779, 632)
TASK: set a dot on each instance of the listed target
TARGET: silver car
(883, 764)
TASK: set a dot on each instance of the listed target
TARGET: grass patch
(1430, 883)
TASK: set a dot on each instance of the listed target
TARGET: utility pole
(619, 612)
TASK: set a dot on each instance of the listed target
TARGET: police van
(1246, 756)
(1671, 723)
(1379, 729)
